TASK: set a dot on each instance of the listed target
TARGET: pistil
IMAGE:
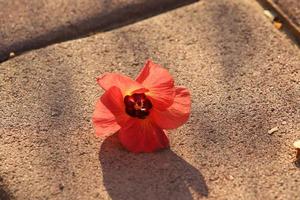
(137, 105)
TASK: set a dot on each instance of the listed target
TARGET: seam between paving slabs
(116, 20)
(289, 28)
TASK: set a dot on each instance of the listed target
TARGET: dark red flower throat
(137, 105)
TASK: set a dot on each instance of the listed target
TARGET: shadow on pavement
(297, 163)
(3, 193)
(116, 18)
(161, 175)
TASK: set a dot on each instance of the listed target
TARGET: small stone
(284, 123)
(12, 54)
(273, 130)
(270, 15)
(61, 187)
(230, 177)
(296, 144)
(55, 113)
(214, 178)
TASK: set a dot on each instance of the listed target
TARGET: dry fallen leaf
(277, 24)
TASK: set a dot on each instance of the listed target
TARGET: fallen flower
(139, 110)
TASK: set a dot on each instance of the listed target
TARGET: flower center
(137, 105)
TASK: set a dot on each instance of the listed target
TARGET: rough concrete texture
(27, 24)
(291, 8)
(244, 78)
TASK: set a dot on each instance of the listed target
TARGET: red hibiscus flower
(139, 110)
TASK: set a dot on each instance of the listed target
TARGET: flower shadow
(297, 163)
(161, 175)
(4, 195)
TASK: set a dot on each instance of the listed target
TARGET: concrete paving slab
(36, 23)
(244, 78)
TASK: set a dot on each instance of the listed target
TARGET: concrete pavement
(244, 78)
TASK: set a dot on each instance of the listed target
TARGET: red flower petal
(160, 84)
(142, 136)
(126, 84)
(113, 100)
(104, 121)
(177, 114)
